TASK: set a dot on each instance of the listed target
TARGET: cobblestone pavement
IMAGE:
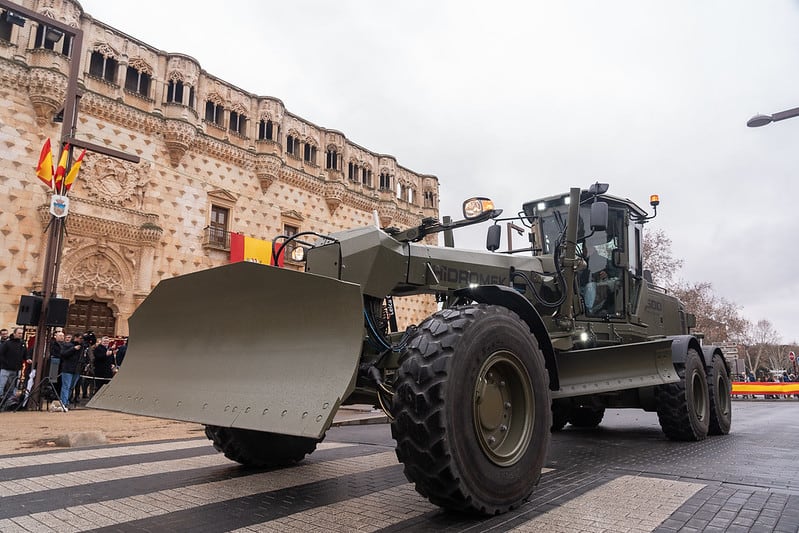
(624, 476)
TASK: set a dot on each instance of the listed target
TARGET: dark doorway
(92, 315)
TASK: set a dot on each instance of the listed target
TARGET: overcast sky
(517, 100)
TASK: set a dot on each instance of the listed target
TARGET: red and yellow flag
(244, 248)
(73, 172)
(61, 170)
(44, 170)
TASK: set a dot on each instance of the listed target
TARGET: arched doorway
(92, 315)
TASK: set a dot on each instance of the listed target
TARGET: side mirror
(493, 237)
(599, 216)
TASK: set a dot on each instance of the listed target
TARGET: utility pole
(57, 225)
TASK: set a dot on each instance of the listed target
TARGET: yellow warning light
(654, 200)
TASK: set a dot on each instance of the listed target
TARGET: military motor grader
(525, 341)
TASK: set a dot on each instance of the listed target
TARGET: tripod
(8, 394)
(46, 384)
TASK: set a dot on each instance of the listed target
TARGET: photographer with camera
(85, 386)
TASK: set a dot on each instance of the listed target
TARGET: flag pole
(52, 257)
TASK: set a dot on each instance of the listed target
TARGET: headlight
(298, 254)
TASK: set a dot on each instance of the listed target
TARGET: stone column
(144, 277)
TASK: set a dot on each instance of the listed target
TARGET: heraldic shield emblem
(59, 205)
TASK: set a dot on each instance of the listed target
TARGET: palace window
(214, 113)
(352, 171)
(385, 181)
(309, 154)
(331, 159)
(289, 230)
(238, 123)
(429, 199)
(366, 176)
(49, 38)
(103, 67)
(175, 90)
(266, 130)
(218, 226)
(292, 146)
(5, 27)
(137, 82)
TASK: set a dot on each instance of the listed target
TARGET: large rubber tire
(472, 410)
(260, 449)
(719, 389)
(684, 407)
(586, 417)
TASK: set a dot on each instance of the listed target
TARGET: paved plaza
(624, 476)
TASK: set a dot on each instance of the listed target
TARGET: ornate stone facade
(204, 145)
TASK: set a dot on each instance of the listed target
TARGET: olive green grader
(524, 342)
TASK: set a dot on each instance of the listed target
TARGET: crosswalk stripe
(371, 513)
(97, 475)
(115, 473)
(99, 453)
(121, 510)
(640, 503)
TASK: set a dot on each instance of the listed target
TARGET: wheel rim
(503, 408)
(699, 394)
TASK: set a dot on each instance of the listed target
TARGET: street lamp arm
(761, 120)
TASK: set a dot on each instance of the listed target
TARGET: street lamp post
(55, 229)
(761, 120)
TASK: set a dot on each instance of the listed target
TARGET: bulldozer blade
(612, 368)
(243, 345)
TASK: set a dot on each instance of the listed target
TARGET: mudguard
(243, 345)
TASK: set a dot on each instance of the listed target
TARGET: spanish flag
(62, 169)
(44, 170)
(244, 248)
(73, 172)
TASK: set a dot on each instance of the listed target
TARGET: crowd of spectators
(77, 366)
(769, 377)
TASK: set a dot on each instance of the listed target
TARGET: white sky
(518, 100)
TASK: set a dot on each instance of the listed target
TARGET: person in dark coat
(103, 363)
(121, 351)
(70, 367)
(12, 353)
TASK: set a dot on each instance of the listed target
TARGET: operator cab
(608, 248)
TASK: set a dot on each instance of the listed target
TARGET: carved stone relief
(117, 182)
(178, 137)
(96, 270)
(140, 65)
(180, 68)
(266, 169)
(46, 90)
(65, 11)
(106, 50)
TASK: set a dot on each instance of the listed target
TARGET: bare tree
(718, 318)
(658, 259)
(764, 348)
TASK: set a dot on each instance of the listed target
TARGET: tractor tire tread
(260, 449)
